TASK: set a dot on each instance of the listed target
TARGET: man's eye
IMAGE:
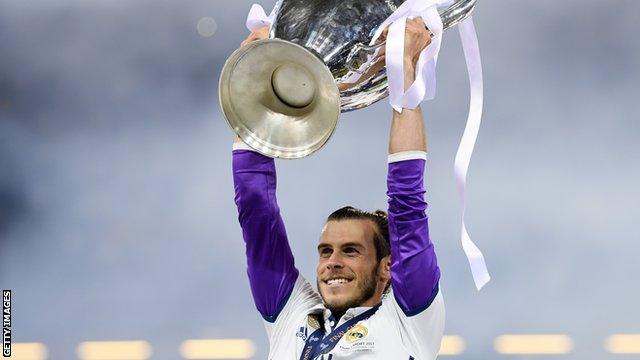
(350, 250)
(325, 252)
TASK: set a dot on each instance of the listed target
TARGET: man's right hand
(260, 34)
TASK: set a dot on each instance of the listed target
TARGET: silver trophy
(283, 96)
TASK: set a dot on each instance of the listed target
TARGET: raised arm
(414, 269)
(270, 264)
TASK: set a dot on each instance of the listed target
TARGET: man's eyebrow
(353, 244)
(323, 246)
(349, 244)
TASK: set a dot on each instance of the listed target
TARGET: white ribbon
(461, 165)
(258, 19)
(424, 88)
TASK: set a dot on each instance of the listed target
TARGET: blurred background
(117, 220)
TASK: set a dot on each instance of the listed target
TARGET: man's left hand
(416, 38)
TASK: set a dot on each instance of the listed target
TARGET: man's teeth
(337, 281)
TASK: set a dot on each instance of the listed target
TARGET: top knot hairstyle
(378, 217)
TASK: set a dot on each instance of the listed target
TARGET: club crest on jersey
(356, 333)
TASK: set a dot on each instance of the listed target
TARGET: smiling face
(349, 274)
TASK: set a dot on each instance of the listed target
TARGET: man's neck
(338, 315)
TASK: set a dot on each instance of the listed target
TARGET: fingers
(383, 36)
(380, 55)
(417, 38)
(417, 22)
(250, 39)
(253, 37)
(419, 31)
(416, 29)
(262, 33)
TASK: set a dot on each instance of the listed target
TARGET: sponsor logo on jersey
(302, 333)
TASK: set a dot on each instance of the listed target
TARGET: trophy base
(279, 98)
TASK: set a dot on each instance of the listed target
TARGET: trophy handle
(361, 53)
(457, 13)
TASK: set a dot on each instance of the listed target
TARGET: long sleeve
(414, 268)
(270, 263)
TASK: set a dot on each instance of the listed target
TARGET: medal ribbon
(424, 88)
(317, 344)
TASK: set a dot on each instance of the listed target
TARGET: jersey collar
(348, 315)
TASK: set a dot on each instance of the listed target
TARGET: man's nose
(334, 261)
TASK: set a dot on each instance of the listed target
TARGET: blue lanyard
(317, 344)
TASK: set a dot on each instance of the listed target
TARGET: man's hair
(378, 217)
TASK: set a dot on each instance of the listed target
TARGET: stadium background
(117, 219)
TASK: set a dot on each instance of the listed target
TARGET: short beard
(366, 290)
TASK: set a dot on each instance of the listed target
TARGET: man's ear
(385, 267)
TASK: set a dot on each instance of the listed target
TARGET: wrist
(409, 62)
(409, 73)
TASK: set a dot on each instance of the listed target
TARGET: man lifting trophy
(377, 292)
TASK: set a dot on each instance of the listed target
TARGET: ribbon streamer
(461, 165)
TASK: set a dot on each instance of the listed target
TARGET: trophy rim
(259, 143)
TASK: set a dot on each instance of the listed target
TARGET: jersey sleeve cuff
(241, 145)
(407, 155)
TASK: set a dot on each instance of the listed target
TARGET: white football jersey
(387, 334)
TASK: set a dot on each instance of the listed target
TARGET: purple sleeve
(414, 267)
(270, 264)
